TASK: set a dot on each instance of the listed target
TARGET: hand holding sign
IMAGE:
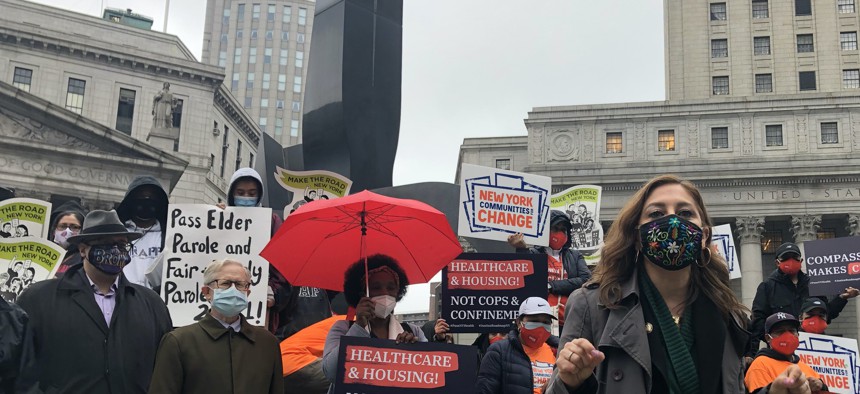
(517, 241)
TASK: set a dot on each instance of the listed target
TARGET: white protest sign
(24, 261)
(834, 358)
(197, 234)
(724, 243)
(496, 203)
(24, 217)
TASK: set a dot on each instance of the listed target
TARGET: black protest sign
(832, 265)
(368, 365)
(481, 292)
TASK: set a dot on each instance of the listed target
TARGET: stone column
(805, 228)
(854, 231)
(750, 229)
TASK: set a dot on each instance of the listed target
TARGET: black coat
(778, 294)
(76, 352)
(571, 259)
(16, 350)
(506, 368)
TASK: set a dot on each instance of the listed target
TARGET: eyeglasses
(66, 226)
(225, 284)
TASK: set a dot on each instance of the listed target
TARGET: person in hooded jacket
(521, 363)
(144, 210)
(566, 266)
(66, 221)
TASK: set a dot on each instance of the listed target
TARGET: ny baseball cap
(813, 303)
(777, 318)
(787, 247)
(535, 306)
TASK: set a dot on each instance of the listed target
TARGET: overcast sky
(475, 68)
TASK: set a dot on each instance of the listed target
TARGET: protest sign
(582, 204)
(381, 366)
(834, 358)
(23, 217)
(724, 243)
(197, 234)
(24, 261)
(496, 203)
(832, 265)
(481, 292)
(308, 186)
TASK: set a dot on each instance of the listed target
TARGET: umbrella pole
(364, 248)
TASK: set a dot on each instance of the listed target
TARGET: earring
(707, 260)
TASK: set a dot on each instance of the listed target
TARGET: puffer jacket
(506, 368)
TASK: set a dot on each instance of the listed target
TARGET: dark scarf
(682, 377)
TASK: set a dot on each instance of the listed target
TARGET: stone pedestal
(163, 138)
(750, 229)
(805, 228)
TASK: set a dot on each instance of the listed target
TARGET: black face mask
(144, 208)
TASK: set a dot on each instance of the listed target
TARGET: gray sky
(475, 68)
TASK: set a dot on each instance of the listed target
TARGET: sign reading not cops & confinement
(197, 234)
(832, 265)
(482, 292)
(368, 365)
(496, 203)
(835, 360)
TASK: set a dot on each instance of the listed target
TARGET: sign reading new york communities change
(482, 292)
(380, 366)
(496, 203)
(832, 265)
(835, 360)
(197, 234)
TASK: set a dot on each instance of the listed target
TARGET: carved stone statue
(163, 105)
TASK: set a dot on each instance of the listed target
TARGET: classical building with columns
(779, 164)
(86, 104)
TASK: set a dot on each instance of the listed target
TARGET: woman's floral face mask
(671, 242)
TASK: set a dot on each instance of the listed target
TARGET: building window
(288, 14)
(294, 128)
(851, 79)
(807, 80)
(770, 241)
(300, 59)
(282, 82)
(761, 46)
(503, 164)
(666, 140)
(303, 16)
(267, 56)
(237, 55)
(238, 154)
(297, 106)
(226, 17)
(773, 135)
(75, 95)
(222, 59)
(280, 104)
(269, 35)
(239, 34)
(125, 110)
(266, 80)
(845, 6)
(279, 127)
(177, 116)
(271, 14)
(211, 160)
(719, 48)
(224, 38)
(240, 15)
(255, 12)
(614, 143)
(252, 56)
(763, 83)
(284, 57)
(253, 36)
(22, 79)
(300, 38)
(263, 123)
(804, 43)
(802, 7)
(264, 103)
(826, 233)
(285, 36)
(251, 160)
(718, 11)
(235, 83)
(248, 102)
(224, 146)
(297, 84)
(249, 84)
(721, 85)
(759, 9)
(719, 137)
(829, 133)
(848, 40)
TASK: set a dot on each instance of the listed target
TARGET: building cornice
(725, 183)
(225, 100)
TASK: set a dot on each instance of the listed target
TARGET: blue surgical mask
(230, 302)
(241, 201)
(531, 325)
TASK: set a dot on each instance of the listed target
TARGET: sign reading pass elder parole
(367, 365)
(496, 203)
(482, 292)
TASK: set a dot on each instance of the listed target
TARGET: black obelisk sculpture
(352, 102)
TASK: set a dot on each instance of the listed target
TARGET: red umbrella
(319, 241)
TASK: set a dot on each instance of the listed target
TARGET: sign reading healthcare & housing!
(832, 265)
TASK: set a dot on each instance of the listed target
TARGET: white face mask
(383, 305)
(61, 237)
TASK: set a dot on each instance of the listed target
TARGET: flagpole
(166, 12)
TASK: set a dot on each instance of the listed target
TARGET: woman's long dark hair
(619, 257)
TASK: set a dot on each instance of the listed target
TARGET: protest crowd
(656, 315)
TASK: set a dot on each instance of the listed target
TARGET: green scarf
(683, 377)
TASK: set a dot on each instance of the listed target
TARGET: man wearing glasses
(94, 331)
(785, 291)
(222, 352)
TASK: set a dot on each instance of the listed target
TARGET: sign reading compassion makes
(367, 365)
(481, 292)
(832, 265)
